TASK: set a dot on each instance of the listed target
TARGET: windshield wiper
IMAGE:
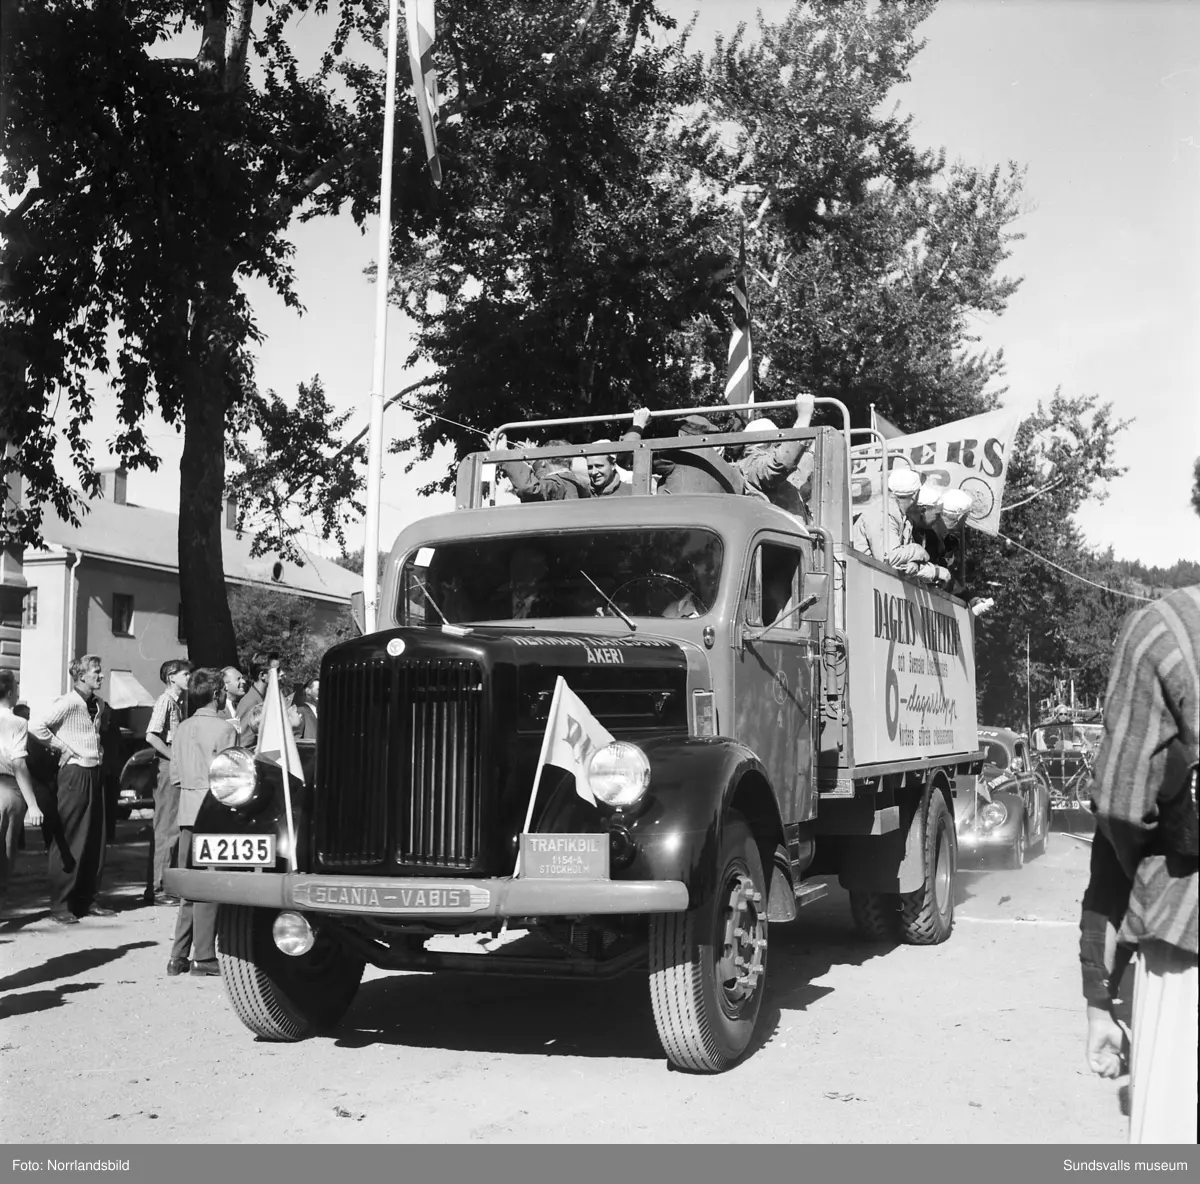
(462, 630)
(608, 601)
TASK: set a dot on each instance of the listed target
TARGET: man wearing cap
(550, 479)
(778, 472)
(868, 530)
(603, 476)
(691, 470)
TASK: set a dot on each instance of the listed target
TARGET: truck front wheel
(275, 995)
(708, 966)
(927, 915)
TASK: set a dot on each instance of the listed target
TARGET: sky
(1097, 99)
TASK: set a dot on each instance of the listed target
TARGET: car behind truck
(782, 709)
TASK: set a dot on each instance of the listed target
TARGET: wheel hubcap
(742, 959)
(941, 875)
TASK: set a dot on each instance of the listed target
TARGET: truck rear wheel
(276, 996)
(927, 915)
(708, 966)
(876, 914)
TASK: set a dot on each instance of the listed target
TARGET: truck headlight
(231, 777)
(992, 815)
(618, 774)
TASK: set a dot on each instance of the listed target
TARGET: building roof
(150, 538)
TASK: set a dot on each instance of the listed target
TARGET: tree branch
(330, 169)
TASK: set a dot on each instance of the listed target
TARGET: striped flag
(419, 15)
(739, 371)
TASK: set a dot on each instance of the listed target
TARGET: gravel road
(979, 1040)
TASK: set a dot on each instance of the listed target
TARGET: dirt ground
(979, 1040)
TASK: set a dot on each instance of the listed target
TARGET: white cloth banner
(969, 454)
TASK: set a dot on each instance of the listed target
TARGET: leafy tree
(149, 187)
(1071, 625)
(566, 254)
(590, 268)
(870, 255)
(1196, 486)
(267, 621)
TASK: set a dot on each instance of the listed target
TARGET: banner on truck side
(969, 454)
(912, 677)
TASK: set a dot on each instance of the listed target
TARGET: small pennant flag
(885, 427)
(419, 16)
(573, 733)
(739, 371)
(277, 745)
(276, 741)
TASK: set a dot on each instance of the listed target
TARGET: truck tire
(708, 966)
(927, 915)
(876, 915)
(276, 996)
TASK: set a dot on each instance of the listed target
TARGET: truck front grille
(399, 771)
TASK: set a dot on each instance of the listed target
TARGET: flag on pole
(739, 370)
(573, 733)
(277, 746)
(885, 427)
(421, 39)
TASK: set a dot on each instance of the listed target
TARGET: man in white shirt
(71, 727)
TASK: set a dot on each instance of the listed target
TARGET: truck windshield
(648, 573)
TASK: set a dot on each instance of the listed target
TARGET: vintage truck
(783, 708)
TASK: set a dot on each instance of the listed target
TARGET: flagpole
(382, 285)
(541, 764)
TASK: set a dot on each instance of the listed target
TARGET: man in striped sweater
(72, 728)
(1145, 801)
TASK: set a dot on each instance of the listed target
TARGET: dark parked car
(138, 778)
(1006, 809)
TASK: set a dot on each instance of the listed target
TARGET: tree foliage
(147, 188)
(266, 621)
(582, 262)
(1071, 625)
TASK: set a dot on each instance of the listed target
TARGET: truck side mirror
(358, 610)
(814, 586)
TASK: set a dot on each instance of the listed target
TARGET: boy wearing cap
(774, 471)
(923, 514)
(868, 529)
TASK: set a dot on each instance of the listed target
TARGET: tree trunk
(205, 606)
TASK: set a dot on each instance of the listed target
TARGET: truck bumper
(428, 899)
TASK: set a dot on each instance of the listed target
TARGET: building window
(180, 631)
(122, 614)
(29, 608)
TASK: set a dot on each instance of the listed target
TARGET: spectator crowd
(61, 765)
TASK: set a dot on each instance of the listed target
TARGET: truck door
(774, 675)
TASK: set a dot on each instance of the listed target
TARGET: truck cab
(781, 710)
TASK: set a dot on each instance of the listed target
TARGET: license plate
(1064, 806)
(564, 857)
(234, 850)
